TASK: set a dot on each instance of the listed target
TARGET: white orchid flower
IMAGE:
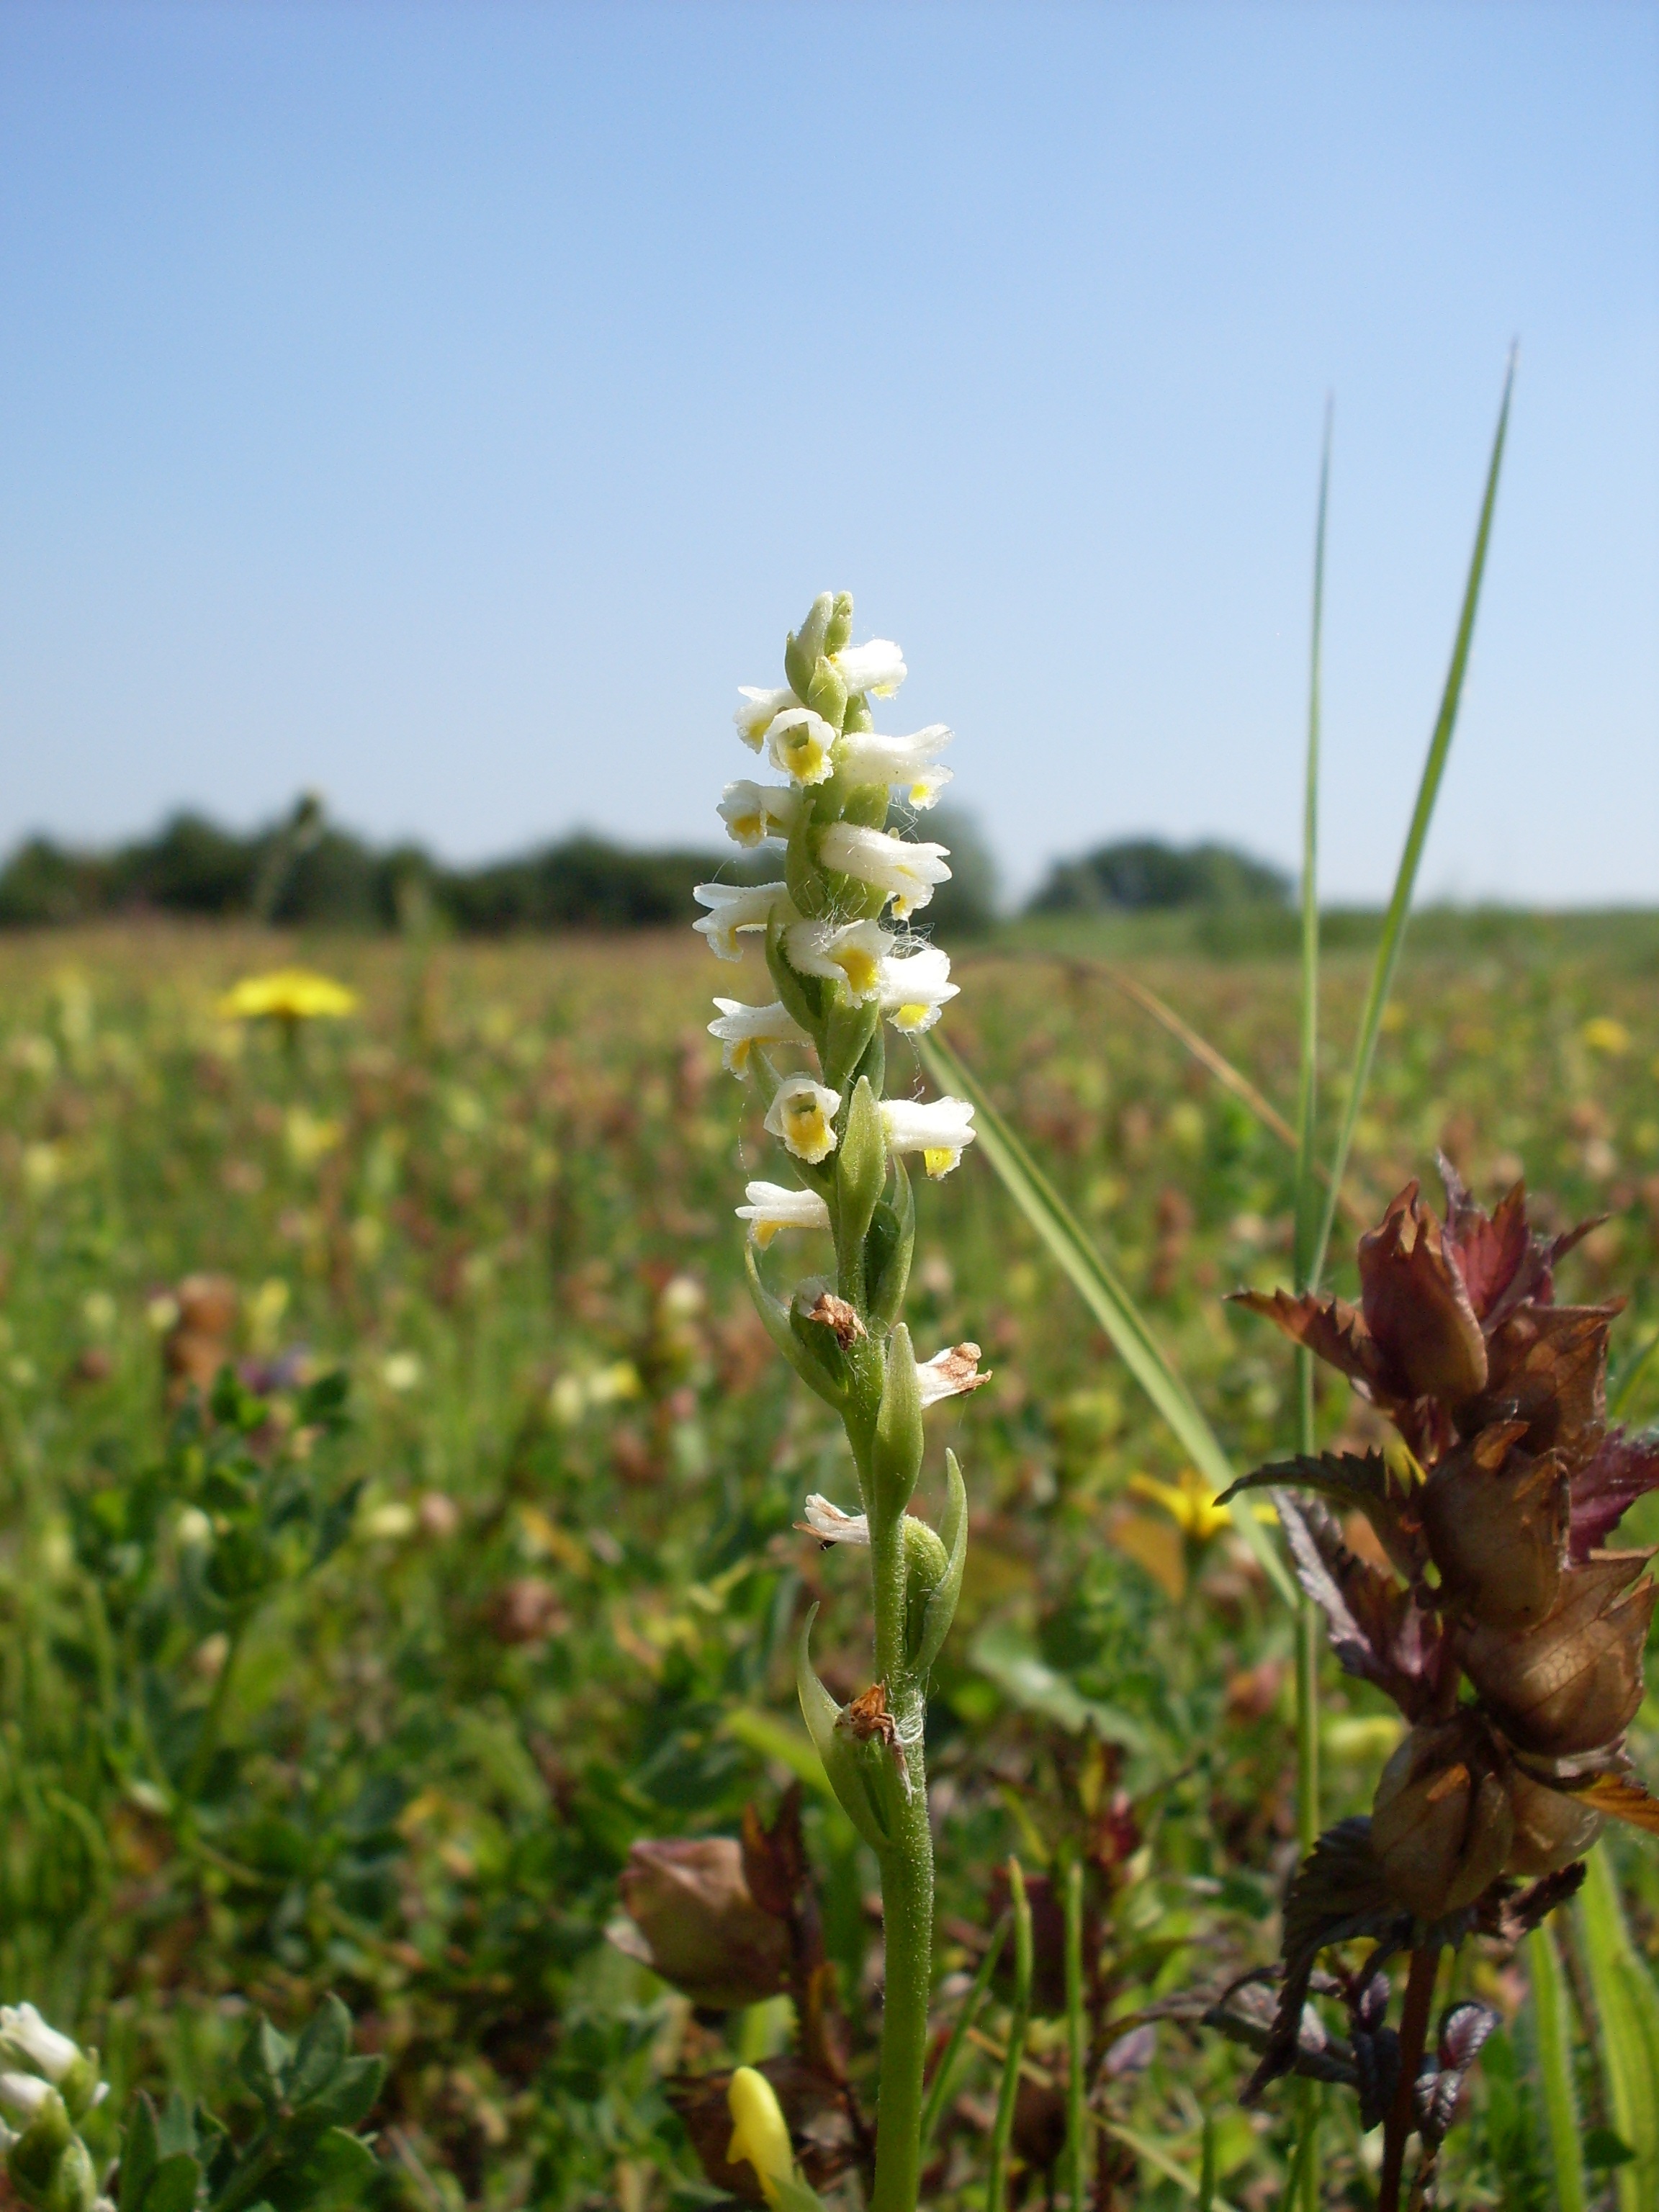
(27, 2036)
(939, 1128)
(752, 811)
(905, 871)
(772, 1207)
(914, 987)
(24, 2093)
(740, 1028)
(950, 1374)
(801, 744)
(876, 666)
(802, 1116)
(907, 765)
(754, 717)
(853, 952)
(830, 1525)
(732, 907)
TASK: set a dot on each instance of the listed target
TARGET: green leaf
(349, 2096)
(140, 2155)
(1028, 1681)
(1428, 790)
(323, 2047)
(1105, 1296)
(173, 2185)
(821, 1712)
(265, 2061)
(942, 1605)
(1554, 2029)
(1627, 2007)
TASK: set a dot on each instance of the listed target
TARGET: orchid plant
(846, 961)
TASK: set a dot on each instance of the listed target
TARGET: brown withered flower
(692, 1919)
(1507, 1633)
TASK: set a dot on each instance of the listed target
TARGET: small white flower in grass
(801, 744)
(907, 765)
(802, 1114)
(754, 717)
(24, 2093)
(27, 2036)
(950, 1374)
(739, 1028)
(772, 1207)
(752, 811)
(876, 666)
(914, 987)
(939, 1128)
(830, 1525)
(907, 872)
(851, 952)
(734, 907)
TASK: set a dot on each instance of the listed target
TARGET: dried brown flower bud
(198, 1344)
(1416, 1305)
(692, 1920)
(1441, 1823)
(1495, 1520)
(1552, 1827)
(1574, 1682)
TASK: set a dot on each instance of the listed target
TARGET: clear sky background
(448, 406)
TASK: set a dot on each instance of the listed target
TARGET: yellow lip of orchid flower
(1189, 1501)
(288, 994)
(760, 2137)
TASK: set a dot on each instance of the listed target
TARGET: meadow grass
(499, 1199)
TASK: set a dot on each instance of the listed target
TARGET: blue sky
(448, 406)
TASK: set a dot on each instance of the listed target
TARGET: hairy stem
(997, 2169)
(1401, 2122)
(906, 1906)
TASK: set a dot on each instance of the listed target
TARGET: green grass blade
(938, 2089)
(1627, 2006)
(1394, 927)
(1105, 1296)
(1305, 2188)
(1077, 2125)
(996, 2179)
(1549, 1998)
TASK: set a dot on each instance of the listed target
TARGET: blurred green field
(500, 1200)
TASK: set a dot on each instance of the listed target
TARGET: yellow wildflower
(1189, 1501)
(288, 994)
(759, 2136)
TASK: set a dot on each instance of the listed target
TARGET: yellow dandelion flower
(288, 994)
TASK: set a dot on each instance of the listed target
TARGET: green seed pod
(925, 1565)
(49, 2166)
(860, 1172)
(813, 1353)
(941, 1607)
(839, 635)
(849, 1777)
(1441, 1823)
(889, 1244)
(895, 1454)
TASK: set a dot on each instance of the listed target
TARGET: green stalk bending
(1077, 2129)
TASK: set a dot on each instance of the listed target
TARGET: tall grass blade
(945, 2074)
(1077, 2125)
(996, 2179)
(1105, 1296)
(1549, 1998)
(1393, 926)
(1627, 2003)
(1305, 2190)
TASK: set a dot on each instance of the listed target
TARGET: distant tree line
(304, 870)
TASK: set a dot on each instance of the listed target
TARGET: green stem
(213, 1719)
(996, 2179)
(938, 2089)
(907, 1908)
(907, 1893)
(1549, 1998)
(1077, 2133)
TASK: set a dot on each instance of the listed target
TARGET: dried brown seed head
(693, 1920)
(840, 1318)
(1495, 1520)
(1552, 1827)
(1417, 1307)
(1441, 1822)
(1574, 1682)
